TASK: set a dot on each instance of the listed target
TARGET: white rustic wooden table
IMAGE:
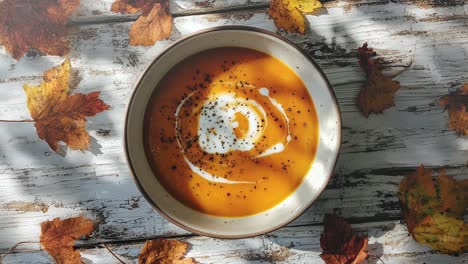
(36, 184)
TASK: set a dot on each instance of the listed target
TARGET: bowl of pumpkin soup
(232, 132)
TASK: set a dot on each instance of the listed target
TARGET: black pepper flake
(174, 167)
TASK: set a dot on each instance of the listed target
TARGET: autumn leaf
(130, 6)
(59, 116)
(378, 94)
(33, 24)
(457, 104)
(433, 210)
(288, 14)
(308, 6)
(155, 22)
(164, 251)
(340, 244)
(58, 237)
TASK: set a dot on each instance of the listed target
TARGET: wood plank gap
(130, 18)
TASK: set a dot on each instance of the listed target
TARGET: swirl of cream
(217, 122)
(216, 126)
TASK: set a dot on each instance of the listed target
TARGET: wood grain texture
(387, 240)
(91, 11)
(376, 152)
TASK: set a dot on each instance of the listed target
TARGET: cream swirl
(218, 120)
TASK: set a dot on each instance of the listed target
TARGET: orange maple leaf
(164, 251)
(433, 209)
(379, 92)
(340, 244)
(33, 24)
(155, 22)
(59, 116)
(288, 14)
(58, 237)
(457, 104)
(130, 6)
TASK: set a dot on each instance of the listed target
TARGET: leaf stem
(17, 121)
(110, 250)
(12, 249)
(404, 69)
(376, 258)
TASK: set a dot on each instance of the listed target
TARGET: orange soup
(231, 131)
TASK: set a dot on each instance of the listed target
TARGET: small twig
(377, 258)
(406, 67)
(17, 121)
(12, 249)
(108, 249)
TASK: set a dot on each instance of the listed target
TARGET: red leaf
(340, 244)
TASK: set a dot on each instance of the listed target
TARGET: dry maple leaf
(379, 92)
(58, 237)
(130, 6)
(288, 14)
(164, 251)
(433, 210)
(155, 22)
(59, 116)
(457, 104)
(33, 24)
(340, 244)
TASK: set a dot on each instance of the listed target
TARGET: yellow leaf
(287, 16)
(442, 232)
(59, 116)
(308, 6)
(433, 210)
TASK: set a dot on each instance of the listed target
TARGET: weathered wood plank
(376, 152)
(387, 240)
(100, 11)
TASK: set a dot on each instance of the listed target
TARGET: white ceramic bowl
(315, 180)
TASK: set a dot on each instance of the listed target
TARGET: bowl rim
(201, 32)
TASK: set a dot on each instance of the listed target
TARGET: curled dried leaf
(379, 92)
(59, 116)
(164, 251)
(32, 24)
(340, 244)
(58, 237)
(457, 104)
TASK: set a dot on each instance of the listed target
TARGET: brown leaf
(59, 116)
(155, 22)
(58, 237)
(457, 104)
(164, 251)
(288, 14)
(130, 6)
(33, 24)
(151, 27)
(340, 244)
(433, 210)
(379, 92)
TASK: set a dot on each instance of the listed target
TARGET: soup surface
(231, 131)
